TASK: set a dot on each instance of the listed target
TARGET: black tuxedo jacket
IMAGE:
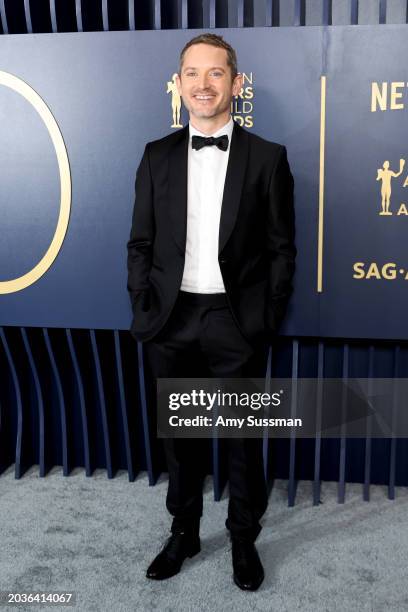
(256, 234)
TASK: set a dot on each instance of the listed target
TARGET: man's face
(205, 82)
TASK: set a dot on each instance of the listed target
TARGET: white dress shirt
(205, 187)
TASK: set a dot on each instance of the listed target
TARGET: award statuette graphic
(385, 175)
(175, 101)
(27, 279)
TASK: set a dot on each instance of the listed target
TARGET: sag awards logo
(387, 97)
(386, 175)
(175, 101)
(242, 105)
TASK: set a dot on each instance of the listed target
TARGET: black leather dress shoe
(170, 559)
(248, 570)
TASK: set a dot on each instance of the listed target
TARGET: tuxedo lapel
(234, 181)
(178, 188)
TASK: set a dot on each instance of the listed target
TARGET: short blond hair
(215, 41)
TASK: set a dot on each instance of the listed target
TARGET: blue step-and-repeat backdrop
(77, 109)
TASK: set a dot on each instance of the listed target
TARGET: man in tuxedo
(211, 258)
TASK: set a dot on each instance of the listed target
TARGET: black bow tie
(198, 142)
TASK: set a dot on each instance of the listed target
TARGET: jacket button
(223, 260)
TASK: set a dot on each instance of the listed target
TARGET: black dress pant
(201, 330)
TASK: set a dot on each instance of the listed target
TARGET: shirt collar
(225, 129)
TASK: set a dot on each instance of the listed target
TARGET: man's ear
(178, 83)
(237, 84)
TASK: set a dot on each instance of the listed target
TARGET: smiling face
(206, 86)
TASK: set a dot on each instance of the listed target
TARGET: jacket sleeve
(140, 244)
(280, 245)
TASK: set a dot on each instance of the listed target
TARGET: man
(210, 260)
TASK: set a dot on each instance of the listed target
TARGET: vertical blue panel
(240, 13)
(81, 396)
(39, 398)
(53, 14)
(327, 12)
(286, 12)
(231, 9)
(102, 404)
(354, 19)
(27, 15)
(299, 17)
(292, 447)
(219, 480)
(343, 439)
(145, 421)
(269, 5)
(182, 14)
(208, 14)
(3, 17)
(266, 437)
(368, 12)
(3, 453)
(216, 469)
(19, 468)
(367, 461)
(122, 400)
(393, 445)
(276, 13)
(320, 374)
(78, 13)
(314, 12)
(383, 11)
(131, 14)
(156, 14)
(341, 12)
(61, 402)
(396, 11)
(105, 16)
(255, 13)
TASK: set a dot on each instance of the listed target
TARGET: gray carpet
(96, 537)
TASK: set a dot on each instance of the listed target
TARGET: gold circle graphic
(22, 88)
